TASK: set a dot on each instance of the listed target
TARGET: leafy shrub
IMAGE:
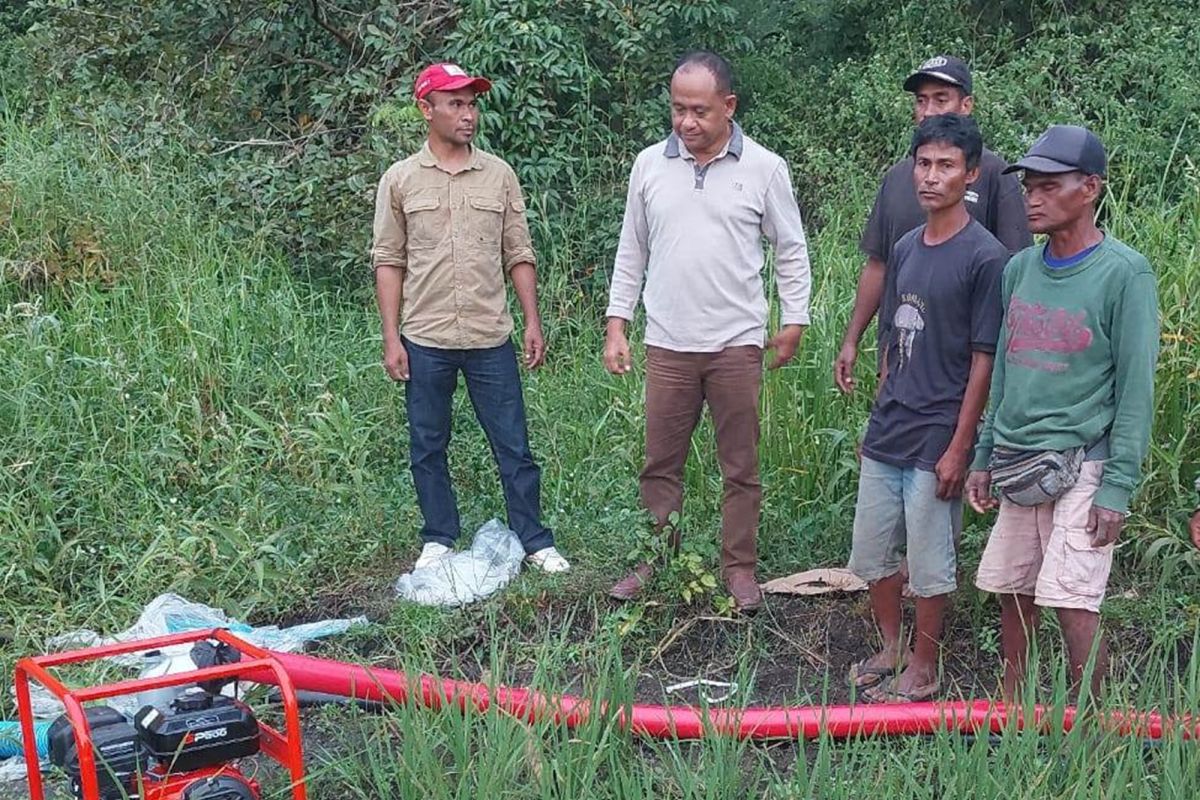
(299, 105)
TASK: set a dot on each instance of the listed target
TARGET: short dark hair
(956, 130)
(717, 66)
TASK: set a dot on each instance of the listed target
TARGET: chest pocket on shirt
(485, 220)
(423, 221)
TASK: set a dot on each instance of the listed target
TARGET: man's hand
(1104, 525)
(843, 367)
(617, 359)
(395, 359)
(951, 471)
(784, 343)
(1194, 527)
(979, 491)
(535, 346)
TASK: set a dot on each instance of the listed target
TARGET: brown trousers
(677, 386)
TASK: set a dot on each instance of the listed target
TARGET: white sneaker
(548, 559)
(431, 553)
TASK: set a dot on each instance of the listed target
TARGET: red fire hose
(686, 722)
(294, 672)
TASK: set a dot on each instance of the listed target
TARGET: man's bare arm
(866, 303)
(389, 289)
(524, 280)
(952, 467)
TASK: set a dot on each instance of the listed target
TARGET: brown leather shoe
(631, 585)
(744, 589)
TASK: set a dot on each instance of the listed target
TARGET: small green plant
(988, 639)
(626, 619)
(685, 564)
(724, 605)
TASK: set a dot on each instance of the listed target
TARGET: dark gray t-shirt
(946, 306)
(995, 200)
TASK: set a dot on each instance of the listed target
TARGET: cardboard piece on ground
(816, 581)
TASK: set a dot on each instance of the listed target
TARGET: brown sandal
(882, 694)
(864, 676)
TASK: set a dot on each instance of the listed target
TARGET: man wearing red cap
(449, 226)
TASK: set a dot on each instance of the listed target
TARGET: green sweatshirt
(1075, 362)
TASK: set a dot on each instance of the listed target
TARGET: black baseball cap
(1065, 148)
(946, 69)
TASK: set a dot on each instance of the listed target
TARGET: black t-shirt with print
(945, 306)
(994, 199)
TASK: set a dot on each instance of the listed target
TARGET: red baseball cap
(447, 78)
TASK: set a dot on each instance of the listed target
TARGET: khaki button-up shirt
(455, 236)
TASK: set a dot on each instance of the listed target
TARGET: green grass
(181, 413)
(411, 752)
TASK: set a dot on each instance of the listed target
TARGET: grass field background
(185, 406)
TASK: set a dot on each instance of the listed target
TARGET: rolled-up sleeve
(390, 245)
(517, 244)
(782, 226)
(633, 252)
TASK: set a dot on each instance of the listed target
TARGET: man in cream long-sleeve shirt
(699, 204)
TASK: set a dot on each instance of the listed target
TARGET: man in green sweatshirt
(1072, 399)
(1194, 522)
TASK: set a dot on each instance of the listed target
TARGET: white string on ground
(704, 684)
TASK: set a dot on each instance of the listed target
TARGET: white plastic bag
(13, 770)
(170, 613)
(460, 578)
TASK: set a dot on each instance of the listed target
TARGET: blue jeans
(898, 511)
(494, 386)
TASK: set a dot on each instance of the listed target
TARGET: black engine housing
(119, 754)
(199, 730)
(226, 787)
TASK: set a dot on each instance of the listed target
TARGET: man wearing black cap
(941, 85)
(1072, 400)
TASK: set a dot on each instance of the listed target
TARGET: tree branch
(342, 38)
(292, 142)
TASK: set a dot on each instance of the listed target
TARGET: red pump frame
(285, 748)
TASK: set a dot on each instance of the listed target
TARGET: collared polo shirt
(694, 234)
(455, 236)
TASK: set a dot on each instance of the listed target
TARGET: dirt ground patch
(796, 651)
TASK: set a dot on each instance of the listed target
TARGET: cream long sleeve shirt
(695, 236)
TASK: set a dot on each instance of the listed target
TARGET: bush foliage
(300, 105)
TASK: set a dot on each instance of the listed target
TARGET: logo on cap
(447, 77)
(935, 62)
